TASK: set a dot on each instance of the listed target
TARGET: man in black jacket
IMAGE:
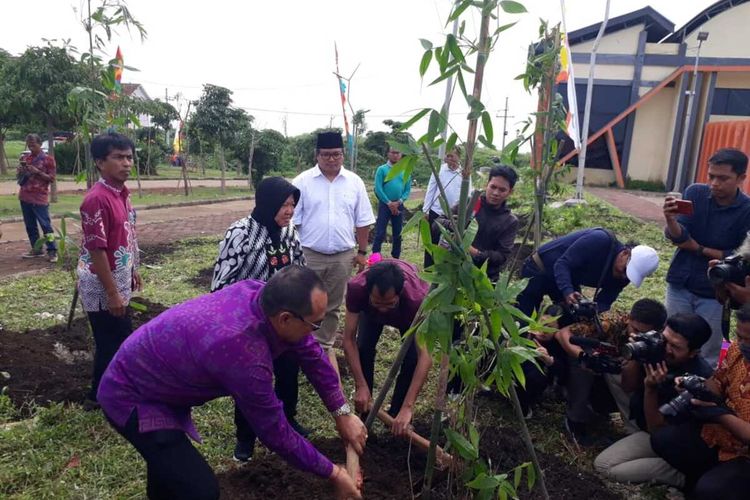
(497, 224)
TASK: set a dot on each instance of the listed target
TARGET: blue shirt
(396, 189)
(711, 226)
(579, 258)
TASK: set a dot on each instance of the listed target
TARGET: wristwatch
(345, 409)
(362, 252)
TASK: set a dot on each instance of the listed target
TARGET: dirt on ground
(391, 471)
(54, 364)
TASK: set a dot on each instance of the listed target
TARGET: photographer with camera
(654, 361)
(589, 257)
(709, 223)
(712, 448)
(584, 344)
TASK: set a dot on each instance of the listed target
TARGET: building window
(731, 102)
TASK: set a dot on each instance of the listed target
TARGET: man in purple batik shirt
(224, 344)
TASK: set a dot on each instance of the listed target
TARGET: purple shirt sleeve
(320, 373)
(247, 374)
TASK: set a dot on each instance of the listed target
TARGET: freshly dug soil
(384, 464)
(386, 471)
(53, 365)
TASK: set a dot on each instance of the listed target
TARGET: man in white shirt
(333, 218)
(450, 178)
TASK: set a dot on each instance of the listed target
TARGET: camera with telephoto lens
(695, 388)
(733, 269)
(648, 347)
(583, 309)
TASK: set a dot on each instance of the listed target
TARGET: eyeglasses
(331, 156)
(315, 326)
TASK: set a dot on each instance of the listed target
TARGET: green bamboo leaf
(518, 372)
(517, 473)
(137, 306)
(530, 475)
(474, 435)
(487, 125)
(433, 126)
(414, 119)
(447, 74)
(459, 10)
(425, 63)
(462, 445)
(512, 7)
(455, 50)
(483, 482)
(504, 27)
(426, 44)
(451, 142)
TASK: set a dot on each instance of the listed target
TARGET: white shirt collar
(317, 172)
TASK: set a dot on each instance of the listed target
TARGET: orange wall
(725, 134)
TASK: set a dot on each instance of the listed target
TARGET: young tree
(215, 120)
(11, 108)
(43, 79)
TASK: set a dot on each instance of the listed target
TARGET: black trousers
(708, 478)
(109, 334)
(368, 336)
(286, 386)
(434, 234)
(174, 467)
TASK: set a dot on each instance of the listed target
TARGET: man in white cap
(589, 257)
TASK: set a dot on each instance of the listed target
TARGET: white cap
(643, 262)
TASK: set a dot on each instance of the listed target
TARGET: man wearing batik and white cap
(333, 217)
(593, 258)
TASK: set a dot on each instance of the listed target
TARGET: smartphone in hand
(684, 207)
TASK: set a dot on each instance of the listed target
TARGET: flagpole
(587, 108)
(447, 101)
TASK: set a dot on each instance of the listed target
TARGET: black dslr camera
(733, 269)
(695, 388)
(583, 309)
(648, 347)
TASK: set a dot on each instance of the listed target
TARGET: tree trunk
(223, 169)
(3, 156)
(51, 152)
(250, 161)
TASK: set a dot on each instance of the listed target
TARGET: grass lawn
(65, 452)
(70, 202)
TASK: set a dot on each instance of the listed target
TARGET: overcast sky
(278, 57)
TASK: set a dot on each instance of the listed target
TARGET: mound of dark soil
(386, 472)
(202, 280)
(53, 365)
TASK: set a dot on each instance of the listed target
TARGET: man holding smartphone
(709, 222)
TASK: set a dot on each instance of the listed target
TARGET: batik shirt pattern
(108, 223)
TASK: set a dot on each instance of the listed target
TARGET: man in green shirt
(391, 197)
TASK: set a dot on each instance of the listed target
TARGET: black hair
(290, 289)
(385, 275)
(34, 137)
(743, 314)
(104, 144)
(732, 157)
(650, 312)
(694, 328)
(506, 173)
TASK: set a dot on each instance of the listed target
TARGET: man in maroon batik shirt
(107, 267)
(35, 173)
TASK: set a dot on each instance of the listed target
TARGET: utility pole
(677, 184)
(505, 117)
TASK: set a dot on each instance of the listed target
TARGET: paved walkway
(640, 204)
(161, 225)
(11, 187)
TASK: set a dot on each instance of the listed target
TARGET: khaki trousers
(335, 271)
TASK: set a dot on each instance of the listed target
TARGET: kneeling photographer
(712, 449)
(730, 278)
(655, 360)
(593, 347)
